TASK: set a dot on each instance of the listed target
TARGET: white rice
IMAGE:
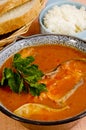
(65, 19)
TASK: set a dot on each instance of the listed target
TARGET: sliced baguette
(19, 16)
(6, 5)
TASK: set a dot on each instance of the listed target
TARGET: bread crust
(20, 21)
(9, 4)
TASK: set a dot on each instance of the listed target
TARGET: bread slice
(6, 5)
(19, 16)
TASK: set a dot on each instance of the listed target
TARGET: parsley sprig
(23, 76)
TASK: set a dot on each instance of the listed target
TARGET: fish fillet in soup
(59, 84)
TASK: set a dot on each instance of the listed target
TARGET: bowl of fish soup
(30, 96)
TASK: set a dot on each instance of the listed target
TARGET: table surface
(7, 123)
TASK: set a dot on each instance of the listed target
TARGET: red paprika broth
(47, 57)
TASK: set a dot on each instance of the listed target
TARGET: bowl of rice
(64, 17)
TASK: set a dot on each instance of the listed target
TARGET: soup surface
(66, 88)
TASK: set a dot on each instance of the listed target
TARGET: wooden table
(7, 123)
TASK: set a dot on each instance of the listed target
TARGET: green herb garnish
(23, 76)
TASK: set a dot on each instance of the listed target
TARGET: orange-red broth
(47, 57)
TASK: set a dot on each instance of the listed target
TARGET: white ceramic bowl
(49, 6)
